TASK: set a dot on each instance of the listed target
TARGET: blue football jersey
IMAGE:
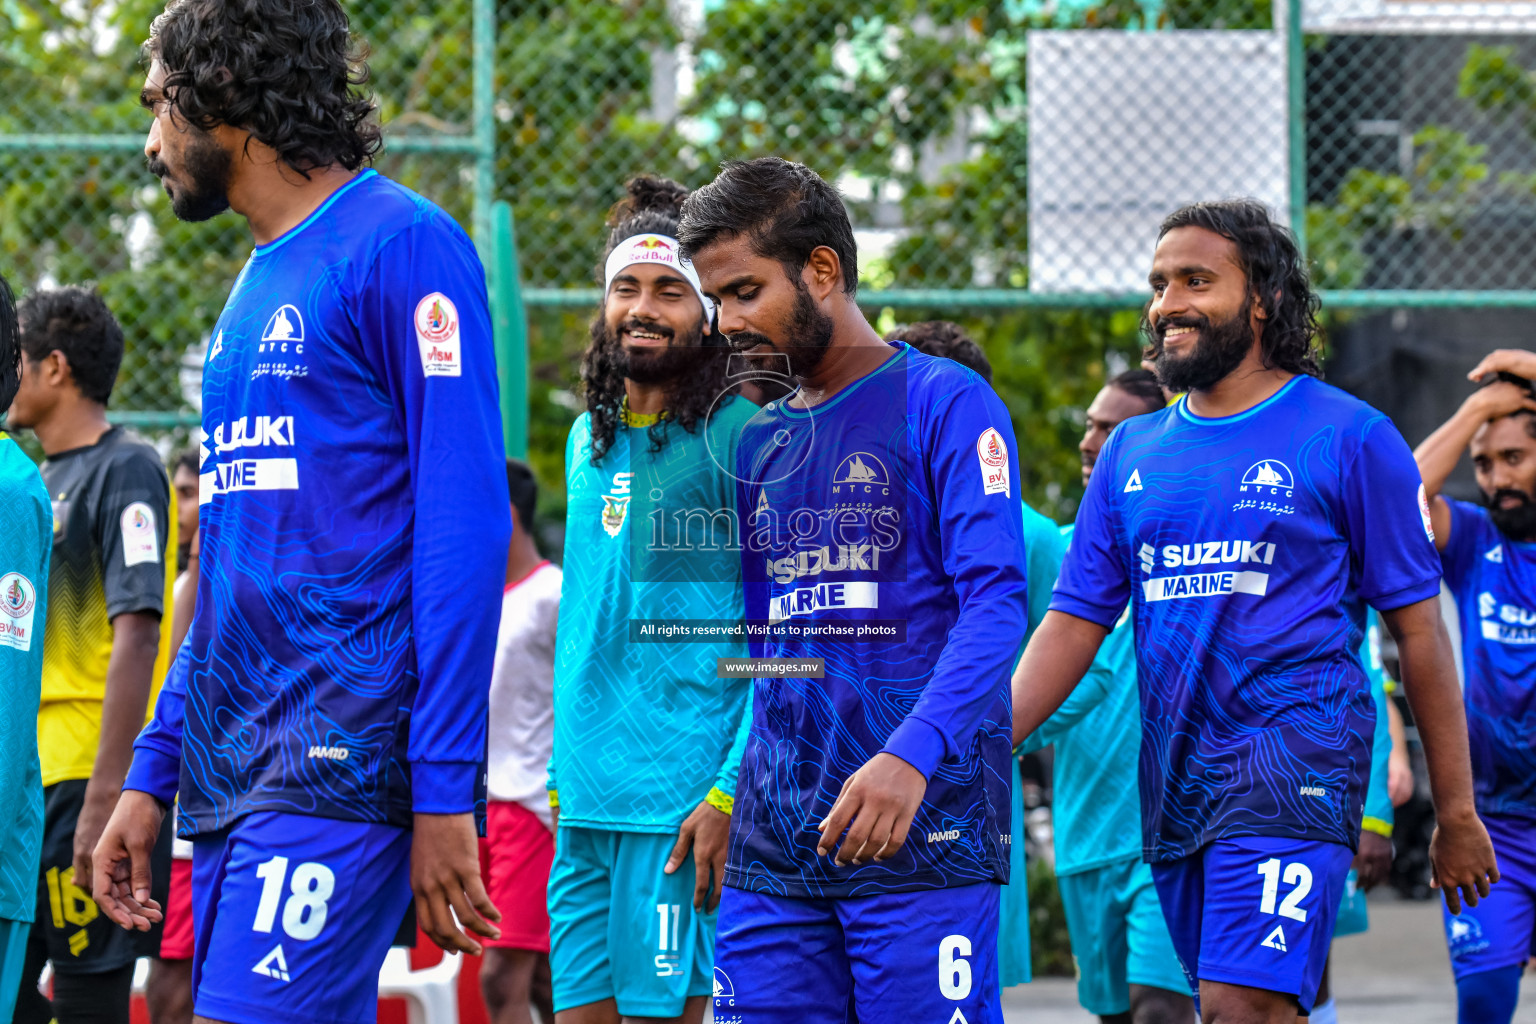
(354, 529)
(881, 533)
(1249, 547)
(1494, 581)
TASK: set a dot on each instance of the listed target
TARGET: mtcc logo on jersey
(282, 345)
(286, 327)
(861, 473)
(1268, 485)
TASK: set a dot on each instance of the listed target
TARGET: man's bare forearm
(1429, 681)
(1438, 453)
(1058, 656)
(130, 677)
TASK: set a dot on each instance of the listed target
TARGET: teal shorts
(1013, 967)
(621, 929)
(1119, 937)
(1353, 918)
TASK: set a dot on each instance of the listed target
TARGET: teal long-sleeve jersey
(643, 728)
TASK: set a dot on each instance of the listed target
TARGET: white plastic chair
(431, 995)
(140, 975)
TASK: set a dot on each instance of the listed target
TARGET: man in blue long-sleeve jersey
(1043, 550)
(323, 726)
(881, 536)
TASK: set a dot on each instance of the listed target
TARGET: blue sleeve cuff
(1421, 591)
(1078, 608)
(155, 772)
(917, 743)
(443, 787)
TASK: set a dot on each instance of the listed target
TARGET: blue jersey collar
(1182, 404)
(782, 405)
(283, 239)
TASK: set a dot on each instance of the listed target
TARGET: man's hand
(1509, 360)
(1374, 861)
(121, 877)
(89, 826)
(876, 808)
(445, 875)
(1461, 858)
(1500, 399)
(708, 831)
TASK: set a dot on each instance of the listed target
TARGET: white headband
(661, 249)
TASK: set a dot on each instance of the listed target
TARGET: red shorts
(515, 857)
(176, 939)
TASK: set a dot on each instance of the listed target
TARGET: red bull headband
(661, 249)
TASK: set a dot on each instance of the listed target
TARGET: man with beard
(647, 734)
(1489, 555)
(1127, 969)
(885, 542)
(1249, 525)
(352, 457)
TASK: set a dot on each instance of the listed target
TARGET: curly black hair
(1277, 277)
(10, 347)
(650, 206)
(786, 209)
(1141, 385)
(945, 340)
(283, 70)
(74, 320)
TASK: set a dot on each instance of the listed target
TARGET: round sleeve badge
(1429, 523)
(18, 603)
(437, 335)
(141, 540)
(992, 454)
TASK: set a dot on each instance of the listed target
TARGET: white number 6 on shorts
(954, 972)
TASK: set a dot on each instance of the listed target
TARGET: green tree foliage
(874, 95)
(917, 108)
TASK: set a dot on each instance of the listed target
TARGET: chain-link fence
(1006, 163)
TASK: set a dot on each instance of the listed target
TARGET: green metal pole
(509, 320)
(1296, 89)
(484, 81)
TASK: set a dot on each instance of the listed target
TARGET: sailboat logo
(860, 473)
(285, 325)
(1269, 473)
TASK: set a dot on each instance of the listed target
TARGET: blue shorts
(884, 959)
(293, 917)
(1255, 911)
(1354, 917)
(620, 929)
(1501, 930)
(1119, 937)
